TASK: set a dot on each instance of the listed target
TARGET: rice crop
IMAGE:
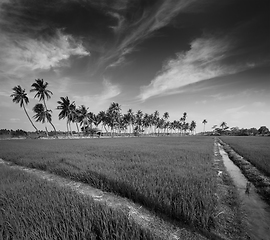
(171, 176)
(255, 149)
(33, 209)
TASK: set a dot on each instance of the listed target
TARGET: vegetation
(255, 149)
(20, 96)
(40, 87)
(34, 209)
(172, 176)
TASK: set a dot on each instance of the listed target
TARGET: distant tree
(253, 131)
(130, 118)
(223, 125)
(40, 87)
(192, 126)
(204, 122)
(113, 116)
(263, 130)
(20, 96)
(83, 117)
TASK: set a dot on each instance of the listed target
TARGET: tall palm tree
(130, 118)
(40, 87)
(20, 96)
(83, 117)
(166, 117)
(103, 118)
(139, 121)
(192, 126)
(155, 120)
(66, 108)
(113, 115)
(42, 115)
(204, 122)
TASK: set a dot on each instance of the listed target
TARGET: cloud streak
(130, 31)
(204, 60)
(20, 52)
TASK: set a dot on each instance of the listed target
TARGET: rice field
(255, 149)
(170, 176)
(33, 209)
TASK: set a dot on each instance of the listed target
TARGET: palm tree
(139, 121)
(192, 126)
(103, 118)
(41, 115)
(20, 96)
(204, 122)
(166, 117)
(113, 116)
(130, 118)
(66, 108)
(41, 92)
(155, 119)
(83, 117)
(223, 125)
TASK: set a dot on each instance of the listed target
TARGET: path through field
(137, 213)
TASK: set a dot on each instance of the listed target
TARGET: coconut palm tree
(155, 119)
(223, 125)
(113, 116)
(204, 122)
(20, 96)
(192, 126)
(103, 118)
(83, 117)
(40, 87)
(139, 121)
(130, 118)
(166, 124)
(66, 108)
(42, 115)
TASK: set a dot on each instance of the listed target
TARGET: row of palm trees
(112, 120)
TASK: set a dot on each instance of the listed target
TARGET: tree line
(111, 120)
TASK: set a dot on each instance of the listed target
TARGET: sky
(208, 58)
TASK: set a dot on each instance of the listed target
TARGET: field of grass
(33, 209)
(255, 149)
(171, 176)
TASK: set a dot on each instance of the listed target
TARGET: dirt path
(135, 212)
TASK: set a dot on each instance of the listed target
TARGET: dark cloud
(108, 29)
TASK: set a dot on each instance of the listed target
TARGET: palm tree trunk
(70, 128)
(78, 128)
(46, 128)
(29, 118)
(50, 121)
(67, 128)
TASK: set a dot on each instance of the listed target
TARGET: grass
(33, 209)
(171, 176)
(255, 149)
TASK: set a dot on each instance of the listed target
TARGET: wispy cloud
(203, 61)
(19, 52)
(131, 31)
